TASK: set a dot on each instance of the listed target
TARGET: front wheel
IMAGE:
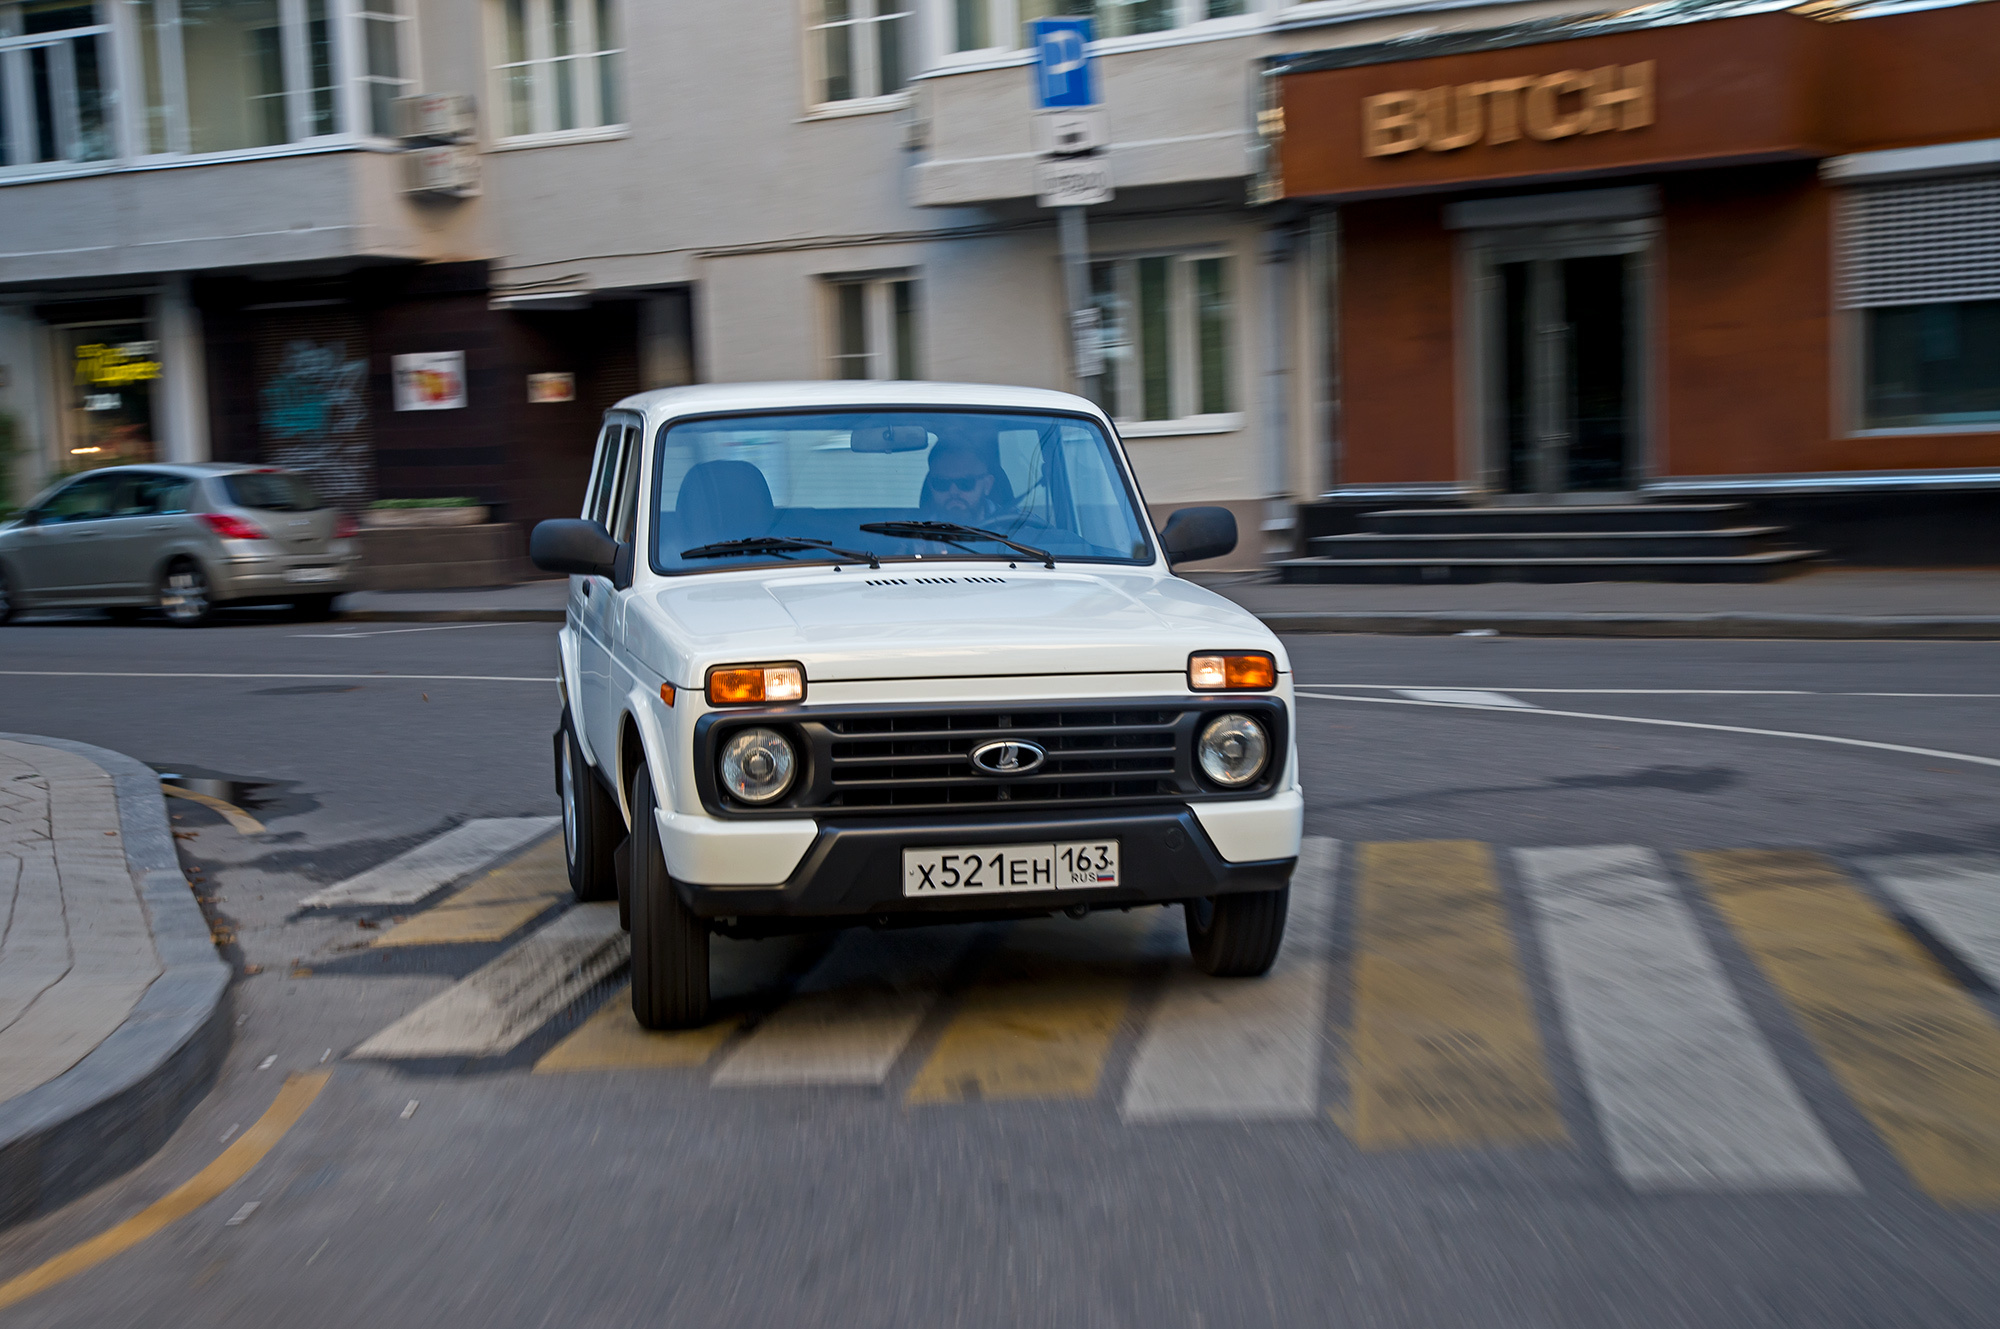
(669, 944)
(590, 823)
(184, 595)
(1237, 936)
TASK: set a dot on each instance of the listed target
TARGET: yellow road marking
(1041, 1019)
(613, 1040)
(1918, 1056)
(1445, 1047)
(492, 908)
(242, 821)
(229, 1167)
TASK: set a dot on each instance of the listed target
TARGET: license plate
(312, 574)
(992, 869)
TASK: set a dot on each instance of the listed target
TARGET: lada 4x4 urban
(879, 654)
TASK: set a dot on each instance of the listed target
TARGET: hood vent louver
(935, 581)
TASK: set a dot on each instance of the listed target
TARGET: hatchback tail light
(233, 528)
(345, 527)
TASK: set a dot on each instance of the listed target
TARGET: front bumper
(854, 868)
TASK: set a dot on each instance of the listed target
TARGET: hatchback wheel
(1237, 936)
(184, 595)
(669, 944)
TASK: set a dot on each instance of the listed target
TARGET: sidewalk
(1834, 604)
(110, 988)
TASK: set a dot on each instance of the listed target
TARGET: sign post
(1070, 135)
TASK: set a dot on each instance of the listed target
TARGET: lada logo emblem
(1008, 756)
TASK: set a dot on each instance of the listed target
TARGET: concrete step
(1766, 566)
(1722, 543)
(1559, 517)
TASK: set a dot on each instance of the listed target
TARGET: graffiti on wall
(314, 417)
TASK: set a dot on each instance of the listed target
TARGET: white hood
(923, 620)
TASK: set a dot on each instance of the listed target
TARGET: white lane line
(1690, 1095)
(368, 678)
(391, 632)
(853, 1014)
(492, 1009)
(1465, 696)
(1239, 1048)
(1956, 896)
(1675, 724)
(434, 864)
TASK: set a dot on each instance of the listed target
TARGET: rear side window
(271, 491)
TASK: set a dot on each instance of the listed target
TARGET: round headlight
(1232, 750)
(757, 765)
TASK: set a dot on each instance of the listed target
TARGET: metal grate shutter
(1921, 242)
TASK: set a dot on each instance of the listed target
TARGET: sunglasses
(965, 484)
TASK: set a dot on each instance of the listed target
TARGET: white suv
(889, 653)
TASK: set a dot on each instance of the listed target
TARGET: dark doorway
(1564, 359)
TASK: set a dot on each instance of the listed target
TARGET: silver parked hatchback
(182, 539)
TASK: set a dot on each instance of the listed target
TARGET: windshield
(271, 491)
(1046, 482)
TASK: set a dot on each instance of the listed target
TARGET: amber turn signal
(742, 685)
(667, 693)
(1251, 671)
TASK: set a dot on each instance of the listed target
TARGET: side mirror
(1193, 534)
(570, 544)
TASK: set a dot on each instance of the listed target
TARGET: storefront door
(1564, 363)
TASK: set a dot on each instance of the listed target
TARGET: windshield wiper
(776, 544)
(947, 531)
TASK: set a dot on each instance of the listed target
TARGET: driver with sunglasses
(963, 484)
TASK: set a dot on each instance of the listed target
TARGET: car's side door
(592, 598)
(58, 559)
(141, 520)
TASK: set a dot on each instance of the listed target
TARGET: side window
(86, 500)
(628, 487)
(140, 495)
(604, 475)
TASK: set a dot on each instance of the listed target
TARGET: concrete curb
(1515, 623)
(112, 1110)
(1528, 624)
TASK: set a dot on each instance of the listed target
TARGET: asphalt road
(650, 1190)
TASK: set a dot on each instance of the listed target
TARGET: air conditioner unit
(449, 171)
(438, 117)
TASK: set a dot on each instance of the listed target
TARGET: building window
(978, 25)
(874, 327)
(859, 48)
(55, 83)
(1167, 330)
(1919, 269)
(383, 26)
(1932, 365)
(560, 70)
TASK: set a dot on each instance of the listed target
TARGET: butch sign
(1501, 110)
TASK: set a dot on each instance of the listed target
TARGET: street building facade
(417, 246)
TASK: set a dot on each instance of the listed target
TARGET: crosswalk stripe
(612, 1040)
(434, 864)
(1956, 896)
(1915, 1053)
(489, 1012)
(1689, 1094)
(1241, 1048)
(1040, 1021)
(1445, 1049)
(853, 1014)
(492, 908)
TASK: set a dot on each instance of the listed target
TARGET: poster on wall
(430, 381)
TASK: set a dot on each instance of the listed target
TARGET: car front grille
(866, 760)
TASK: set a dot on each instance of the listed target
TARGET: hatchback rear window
(271, 491)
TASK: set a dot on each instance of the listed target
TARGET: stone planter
(385, 518)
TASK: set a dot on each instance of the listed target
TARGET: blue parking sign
(1062, 62)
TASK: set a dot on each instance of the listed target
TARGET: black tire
(184, 594)
(591, 825)
(7, 606)
(313, 608)
(123, 614)
(1237, 936)
(669, 944)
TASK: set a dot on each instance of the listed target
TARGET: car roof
(190, 469)
(705, 398)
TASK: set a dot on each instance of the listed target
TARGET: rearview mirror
(889, 438)
(1193, 534)
(570, 544)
